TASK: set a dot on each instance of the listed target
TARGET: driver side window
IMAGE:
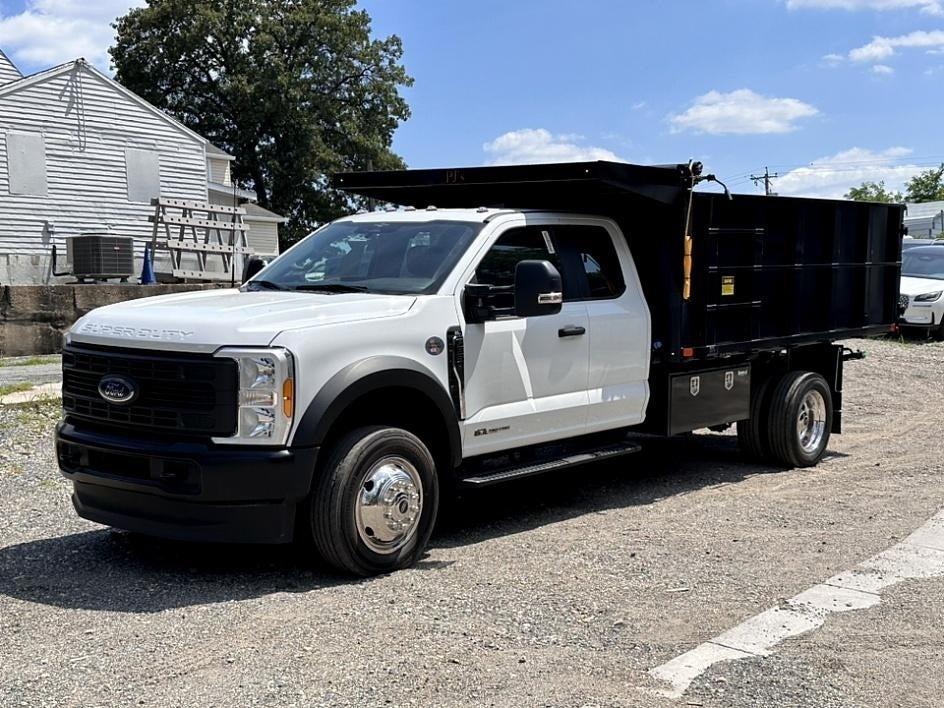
(530, 243)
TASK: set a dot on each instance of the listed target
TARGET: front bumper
(919, 315)
(185, 490)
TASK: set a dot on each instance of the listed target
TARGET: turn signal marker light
(288, 398)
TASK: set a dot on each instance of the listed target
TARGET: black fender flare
(365, 376)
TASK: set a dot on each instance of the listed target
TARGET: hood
(911, 285)
(208, 319)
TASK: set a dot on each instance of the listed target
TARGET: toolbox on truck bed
(764, 272)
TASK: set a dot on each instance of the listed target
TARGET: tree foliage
(874, 192)
(927, 186)
(294, 89)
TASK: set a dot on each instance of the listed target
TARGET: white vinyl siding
(8, 72)
(263, 237)
(218, 170)
(90, 127)
(26, 160)
(144, 175)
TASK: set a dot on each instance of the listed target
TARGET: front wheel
(375, 501)
(938, 333)
(801, 419)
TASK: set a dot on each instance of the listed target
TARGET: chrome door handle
(571, 331)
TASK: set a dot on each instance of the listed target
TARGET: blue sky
(827, 92)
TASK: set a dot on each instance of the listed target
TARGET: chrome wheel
(811, 421)
(389, 505)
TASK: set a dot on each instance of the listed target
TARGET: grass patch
(29, 361)
(16, 387)
(33, 417)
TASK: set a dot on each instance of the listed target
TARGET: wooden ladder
(207, 230)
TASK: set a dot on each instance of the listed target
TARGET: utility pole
(766, 179)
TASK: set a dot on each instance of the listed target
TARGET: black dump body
(767, 273)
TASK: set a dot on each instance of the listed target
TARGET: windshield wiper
(331, 288)
(264, 285)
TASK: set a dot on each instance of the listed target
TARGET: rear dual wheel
(791, 420)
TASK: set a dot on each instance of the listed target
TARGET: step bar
(533, 469)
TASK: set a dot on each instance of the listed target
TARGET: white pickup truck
(392, 356)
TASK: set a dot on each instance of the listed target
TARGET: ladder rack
(203, 229)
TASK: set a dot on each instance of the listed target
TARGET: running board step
(530, 470)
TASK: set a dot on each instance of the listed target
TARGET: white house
(79, 152)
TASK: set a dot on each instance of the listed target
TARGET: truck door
(526, 378)
(598, 271)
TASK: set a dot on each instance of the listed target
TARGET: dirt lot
(563, 591)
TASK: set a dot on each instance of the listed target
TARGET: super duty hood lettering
(108, 330)
(207, 320)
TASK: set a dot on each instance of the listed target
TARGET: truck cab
(394, 356)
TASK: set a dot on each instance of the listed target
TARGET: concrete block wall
(34, 317)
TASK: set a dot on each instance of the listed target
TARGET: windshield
(391, 258)
(921, 264)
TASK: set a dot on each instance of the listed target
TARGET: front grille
(903, 302)
(182, 394)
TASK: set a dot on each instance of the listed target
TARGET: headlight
(929, 297)
(266, 396)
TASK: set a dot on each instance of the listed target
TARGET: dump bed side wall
(770, 272)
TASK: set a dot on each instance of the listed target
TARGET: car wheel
(375, 501)
(939, 332)
(801, 419)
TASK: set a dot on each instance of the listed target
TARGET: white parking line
(921, 555)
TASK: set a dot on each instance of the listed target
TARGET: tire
(752, 433)
(806, 395)
(938, 333)
(368, 475)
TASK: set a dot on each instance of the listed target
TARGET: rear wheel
(801, 419)
(752, 433)
(375, 501)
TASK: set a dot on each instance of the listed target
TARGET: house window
(144, 175)
(26, 162)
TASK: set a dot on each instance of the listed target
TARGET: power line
(766, 178)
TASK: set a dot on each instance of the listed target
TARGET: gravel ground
(50, 371)
(562, 591)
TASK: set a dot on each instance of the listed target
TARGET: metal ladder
(207, 230)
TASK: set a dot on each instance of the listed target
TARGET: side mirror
(252, 266)
(538, 289)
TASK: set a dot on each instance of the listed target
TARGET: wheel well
(399, 407)
(823, 359)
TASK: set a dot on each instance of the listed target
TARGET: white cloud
(741, 112)
(50, 32)
(833, 59)
(832, 177)
(882, 70)
(933, 7)
(881, 48)
(534, 145)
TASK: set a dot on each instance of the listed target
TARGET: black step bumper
(187, 490)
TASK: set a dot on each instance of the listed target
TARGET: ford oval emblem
(117, 389)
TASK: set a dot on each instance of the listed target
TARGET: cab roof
(479, 215)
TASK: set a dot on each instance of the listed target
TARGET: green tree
(874, 192)
(927, 186)
(295, 89)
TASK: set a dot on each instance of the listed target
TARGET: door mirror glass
(538, 289)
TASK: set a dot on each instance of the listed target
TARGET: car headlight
(929, 297)
(266, 403)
